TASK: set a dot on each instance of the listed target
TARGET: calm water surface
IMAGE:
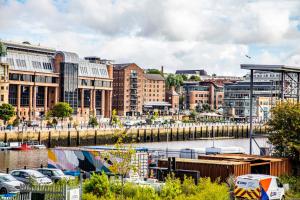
(19, 159)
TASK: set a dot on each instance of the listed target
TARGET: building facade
(237, 99)
(128, 89)
(155, 94)
(200, 93)
(39, 77)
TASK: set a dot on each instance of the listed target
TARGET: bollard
(7, 170)
(25, 167)
(42, 166)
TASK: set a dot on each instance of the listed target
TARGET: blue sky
(214, 35)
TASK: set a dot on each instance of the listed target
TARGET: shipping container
(211, 168)
(259, 164)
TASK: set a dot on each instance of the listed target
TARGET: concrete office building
(39, 77)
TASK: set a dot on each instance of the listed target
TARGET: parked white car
(257, 186)
(8, 184)
(26, 175)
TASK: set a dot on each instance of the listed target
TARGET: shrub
(171, 189)
(212, 190)
(93, 121)
(98, 185)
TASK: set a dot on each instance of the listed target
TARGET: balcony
(133, 75)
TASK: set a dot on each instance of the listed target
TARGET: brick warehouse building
(128, 89)
(135, 92)
(39, 77)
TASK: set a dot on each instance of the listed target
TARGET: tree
(184, 77)
(174, 80)
(195, 78)
(93, 121)
(284, 126)
(61, 110)
(153, 71)
(121, 158)
(115, 120)
(7, 111)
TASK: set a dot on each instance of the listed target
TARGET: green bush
(171, 189)
(100, 188)
(98, 185)
(93, 121)
(294, 185)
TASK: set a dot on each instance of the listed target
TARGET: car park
(9, 184)
(55, 174)
(28, 175)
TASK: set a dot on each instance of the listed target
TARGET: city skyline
(213, 35)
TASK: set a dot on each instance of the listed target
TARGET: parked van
(257, 186)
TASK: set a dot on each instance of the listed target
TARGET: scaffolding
(288, 85)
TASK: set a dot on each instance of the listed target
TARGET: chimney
(162, 70)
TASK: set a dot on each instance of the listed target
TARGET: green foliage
(97, 185)
(7, 111)
(172, 188)
(195, 78)
(61, 110)
(115, 120)
(136, 192)
(184, 77)
(153, 71)
(16, 122)
(174, 80)
(193, 115)
(121, 158)
(89, 196)
(93, 121)
(294, 184)
(212, 190)
(284, 128)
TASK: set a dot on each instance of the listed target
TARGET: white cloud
(214, 34)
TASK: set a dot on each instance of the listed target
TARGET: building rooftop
(271, 68)
(156, 77)
(27, 46)
(200, 72)
(121, 66)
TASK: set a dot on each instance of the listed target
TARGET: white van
(257, 186)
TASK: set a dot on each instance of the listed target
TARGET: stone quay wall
(85, 137)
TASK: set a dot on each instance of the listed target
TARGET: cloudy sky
(211, 34)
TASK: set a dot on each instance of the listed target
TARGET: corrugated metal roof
(272, 68)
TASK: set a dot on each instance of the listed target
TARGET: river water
(34, 158)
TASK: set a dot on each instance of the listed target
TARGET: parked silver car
(55, 174)
(8, 184)
(28, 175)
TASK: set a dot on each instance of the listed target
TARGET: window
(36, 65)
(2, 97)
(21, 63)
